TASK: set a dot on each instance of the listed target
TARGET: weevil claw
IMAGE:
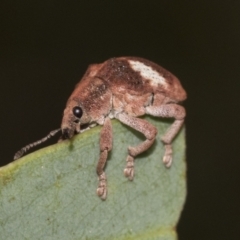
(102, 187)
(129, 170)
(167, 160)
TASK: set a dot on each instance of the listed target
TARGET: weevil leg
(145, 128)
(170, 110)
(105, 147)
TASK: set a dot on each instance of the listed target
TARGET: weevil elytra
(124, 88)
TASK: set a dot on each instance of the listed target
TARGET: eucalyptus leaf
(51, 193)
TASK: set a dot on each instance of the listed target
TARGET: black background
(46, 46)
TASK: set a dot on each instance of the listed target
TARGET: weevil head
(73, 117)
(89, 103)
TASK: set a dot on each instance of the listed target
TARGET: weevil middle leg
(145, 128)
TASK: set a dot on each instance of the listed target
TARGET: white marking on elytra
(148, 73)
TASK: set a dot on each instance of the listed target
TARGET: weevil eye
(77, 111)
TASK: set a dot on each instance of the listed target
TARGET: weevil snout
(66, 133)
(69, 128)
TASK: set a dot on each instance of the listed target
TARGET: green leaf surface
(51, 193)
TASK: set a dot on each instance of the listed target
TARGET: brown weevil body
(123, 88)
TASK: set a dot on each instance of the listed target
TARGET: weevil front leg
(170, 110)
(149, 132)
(105, 147)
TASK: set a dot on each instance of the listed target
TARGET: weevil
(124, 88)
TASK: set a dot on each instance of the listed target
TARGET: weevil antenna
(31, 145)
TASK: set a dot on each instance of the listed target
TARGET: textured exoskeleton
(125, 88)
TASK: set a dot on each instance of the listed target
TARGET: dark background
(46, 46)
